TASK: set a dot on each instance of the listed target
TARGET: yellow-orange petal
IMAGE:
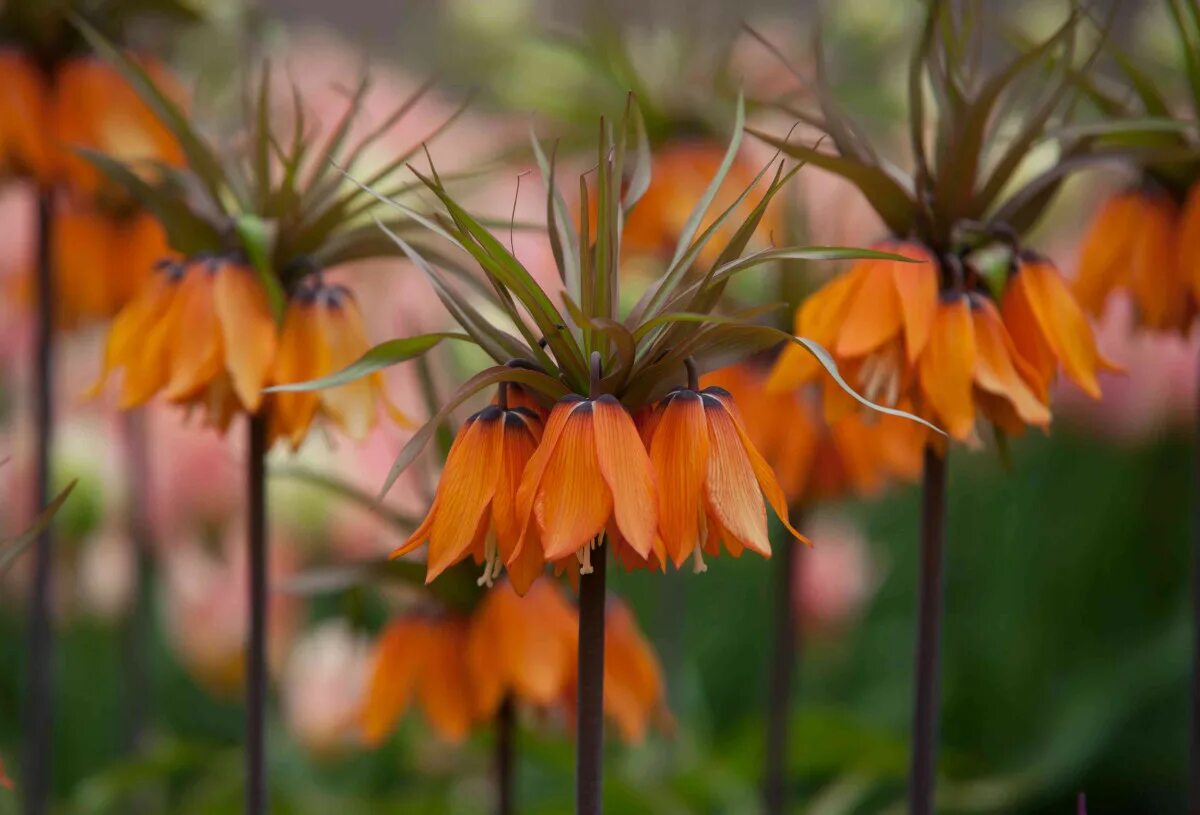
(917, 290)
(301, 355)
(946, 369)
(1062, 324)
(352, 405)
(1154, 274)
(574, 503)
(679, 453)
(732, 496)
(248, 331)
(818, 319)
(873, 315)
(994, 368)
(627, 470)
(395, 668)
(195, 353)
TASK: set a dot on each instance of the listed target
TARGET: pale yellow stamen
(698, 564)
(491, 563)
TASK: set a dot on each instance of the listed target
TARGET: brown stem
(506, 727)
(781, 677)
(922, 779)
(1194, 755)
(139, 627)
(589, 761)
(256, 645)
(39, 705)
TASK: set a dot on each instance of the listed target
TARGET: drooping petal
(394, 672)
(465, 491)
(247, 329)
(627, 470)
(679, 453)
(817, 319)
(732, 495)
(444, 690)
(946, 369)
(301, 354)
(522, 431)
(1189, 243)
(1063, 325)
(994, 368)
(1106, 250)
(535, 470)
(873, 315)
(574, 502)
(917, 289)
(1154, 271)
(351, 405)
(194, 349)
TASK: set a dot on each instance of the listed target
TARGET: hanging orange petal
(574, 502)
(679, 453)
(444, 690)
(633, 679)
(994, 369)
(522, 431)
(873, 316)
(301, 355)
(1189, 245)
(732, 495)
(626, 468)
(395, 668)
(352, 405)
(1106, 251)
(248, 331)
(819, 319)
(947, 367)
(24, 118)
(535, 470)
(194, 348)
(917, 289)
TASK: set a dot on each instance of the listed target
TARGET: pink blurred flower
(835, 578)
(106, 574)
(206, 605)
(323, 687)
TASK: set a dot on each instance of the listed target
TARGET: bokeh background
(1066, 633)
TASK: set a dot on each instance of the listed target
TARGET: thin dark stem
(1194, 756)
(256, 646)
(506, 732)
(929, 623)
(589, 760)
(780, 678)
(139, 628)
(39, 707)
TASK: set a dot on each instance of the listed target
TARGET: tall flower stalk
(973, 339)
(632, 459)
(247, 304)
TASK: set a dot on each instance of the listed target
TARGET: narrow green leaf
(12, 548)
(384, 355)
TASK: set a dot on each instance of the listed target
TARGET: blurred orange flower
(905, 337)
(323, 332)
(201, 333)
(94, 107)
(421, 657)
(461, 669)
(679, 174)
(1142, 242)
(24, 118)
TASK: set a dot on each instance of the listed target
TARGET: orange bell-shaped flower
(323, 332)
(590, 472)
(712, 479)
(421, 658)
(521, 647)
(474, 510)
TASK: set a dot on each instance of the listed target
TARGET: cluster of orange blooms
(904, 337)
(460, 669)
(522, 488)
(201, 333)
(1143, 242)
(103, 245)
